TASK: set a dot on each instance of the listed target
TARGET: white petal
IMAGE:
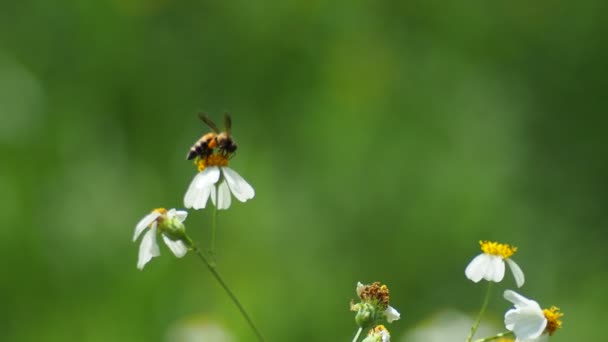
(476, 268)
(526, 323)
(518, 274)
(213, 195)
(519, 301)
(386, 337)
(148, 247)
(190, 194)
(239, 186)
(145, 222)
(209, 175)
(485, 266)
(177, 247)
(360, 288)
(200, 201)
(391, 314)
(200, 187)
(223, 196)
(496, 269)
(197, 197)
(179, 214)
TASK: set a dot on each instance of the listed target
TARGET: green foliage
(383, 139)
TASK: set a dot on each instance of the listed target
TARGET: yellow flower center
(553, 316)
(162, 212)
(495, 248)
(376, 292)
(377, 330)
(505, 339)
(216, 159)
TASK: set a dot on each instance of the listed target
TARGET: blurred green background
(383, 139)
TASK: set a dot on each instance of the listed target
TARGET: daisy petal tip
(518, 274)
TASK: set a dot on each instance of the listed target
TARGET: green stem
(230, 294)
(495, 337)
(214, 222)
(481, 312)
(357, 334)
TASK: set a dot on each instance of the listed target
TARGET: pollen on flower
(553, 316)
(162, 212)
(377, 330)
(376, 293)
(216, 159)
(495, 248)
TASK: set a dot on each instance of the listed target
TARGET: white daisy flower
(528, 321)
(378, 334)
(216, 180)
(169, 224)
(374, 304)
(490, 265)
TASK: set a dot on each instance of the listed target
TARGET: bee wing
(205, 118)
(227, 123)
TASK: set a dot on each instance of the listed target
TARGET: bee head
(226, 143)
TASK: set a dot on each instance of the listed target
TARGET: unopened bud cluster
(373, 306)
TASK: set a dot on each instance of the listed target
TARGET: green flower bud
(367, 315)
(173, 227)
(374, 305)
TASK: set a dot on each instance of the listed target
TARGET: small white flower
(378, 334)
(527, 320)
(169, 220)
(490, 265)
(205, 185)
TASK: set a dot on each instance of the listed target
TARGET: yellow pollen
(553, 316)
(377, 330)
(162, 212)
(505, 339)
(495, 248)
(216, 159)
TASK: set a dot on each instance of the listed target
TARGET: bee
(223, 141)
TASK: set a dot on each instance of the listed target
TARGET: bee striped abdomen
(203, 147)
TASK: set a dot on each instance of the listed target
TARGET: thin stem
(481, 312)
(230, 294)
(495, 337)
(357, 334)
(214, 221)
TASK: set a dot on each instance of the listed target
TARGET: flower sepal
(174, 229)
(367, 314)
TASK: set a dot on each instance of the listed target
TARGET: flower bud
(367, 315)
(374, 305)
(173, 228)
